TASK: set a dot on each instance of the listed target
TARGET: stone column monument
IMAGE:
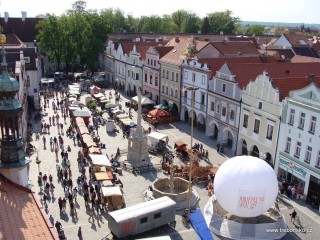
(137, 142)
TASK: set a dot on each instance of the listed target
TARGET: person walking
(51, 219)
(80, 233)
(60, 204)
(44, 142)
(293, 215)
(91, 213)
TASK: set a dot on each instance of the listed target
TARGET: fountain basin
(179, 192)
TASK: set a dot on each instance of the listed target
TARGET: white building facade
(197, 75)
(298, 154)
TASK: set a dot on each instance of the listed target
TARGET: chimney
(287, 73)
(6, 17)
(24, 15)
(311, 77)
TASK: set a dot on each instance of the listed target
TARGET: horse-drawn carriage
(181, 149)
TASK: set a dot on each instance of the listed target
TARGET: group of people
(201, 151)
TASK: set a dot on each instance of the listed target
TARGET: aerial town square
(174, 125)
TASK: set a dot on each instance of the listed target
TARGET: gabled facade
(290, 40)
(133, 72)
(151, 72)
(120, 59)
(194, 74)
(109, 62)
(260, 119)
(223, 108)
(298, 154)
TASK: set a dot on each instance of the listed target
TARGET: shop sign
(294, 168)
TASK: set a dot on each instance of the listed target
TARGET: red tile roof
(142, 47)
(25, 30)
(294, 39)
(303, 59)
(216, 63)
(285, 85)
(236, 48)
(176, 56)
(13, 41)
(246, 72)
(20, 216)
(163, 50)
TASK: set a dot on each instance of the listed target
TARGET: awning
(179, 143)
(155, 137)
(200, 226)
(94, 150)
(87, 139)
(99, 159)
(81, 113)
(144, 100)
(79, 120)
(98, 95)
(159, 113)
(100, 176)
(74, 91)
(111, 191)
(83, 130)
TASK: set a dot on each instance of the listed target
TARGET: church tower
(13, 162)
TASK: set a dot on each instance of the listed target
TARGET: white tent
(144, 100)
(155, 137)
(111, 191)
(98, 159)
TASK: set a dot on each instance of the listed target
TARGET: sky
(292, 11)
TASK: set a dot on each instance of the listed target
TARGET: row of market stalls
(102, 167)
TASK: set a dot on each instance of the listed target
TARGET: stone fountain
(175, 188)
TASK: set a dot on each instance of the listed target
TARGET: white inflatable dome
(245, 186)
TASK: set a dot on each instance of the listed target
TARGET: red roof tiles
(236, 48)
(296, 40)
(20, 216)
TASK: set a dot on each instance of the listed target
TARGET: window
(288, 145)
(256, 126)
(298, 150)
(308, 154)
(148, 61)
(224, 111)
(156, 81)
(212, 106)
(137, 76)
(172, 76)
(232, 115)
(167, 74)
(132, 75)
(162, 88)
(223, 87)
(291, 117)
(167, 89)
(245, 120)
(128, 73)
(177, 77)
(318, 160)
(28, 81)
(151, 62)
(163, 73)
(150, 79)
(145, 77)
(301, 120)
(157, 215)
(171, 92)
(203, 81)
(176, 93)
(269, 132)
(144, 220)
(312, 128)
(154, 62)
(218, 108)
(260, 105)
(193, 77)
(185, 74)
(202, 98)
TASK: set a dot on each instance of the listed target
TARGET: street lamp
(191, 156)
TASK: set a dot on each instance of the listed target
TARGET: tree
(239, 29)
(51, 38)
(191, 49)
(205, 26)
(222, 22)
(167, 25)
(255, 29)
(191, 23)
(79, 6)
(178, 17)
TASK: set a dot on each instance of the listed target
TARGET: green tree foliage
(167, 25)
(239, 29)
(222, 22)
(149, 24)
(255, 29)
(51, 38)
(186, 22)
(191, 49)
(205, 25)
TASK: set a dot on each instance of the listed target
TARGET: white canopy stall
(144, 100)
(155, 137)
(99, 159)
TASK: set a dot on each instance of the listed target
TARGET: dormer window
(303, 42)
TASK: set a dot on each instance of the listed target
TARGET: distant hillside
(282, 24)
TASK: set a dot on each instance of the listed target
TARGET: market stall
(101, 160)
(156, 138)
(113, 197)
(94, 150)
(83, 114)
(157, 115)
(94, 90)
(101, 176)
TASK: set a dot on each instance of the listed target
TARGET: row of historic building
(247, 94)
